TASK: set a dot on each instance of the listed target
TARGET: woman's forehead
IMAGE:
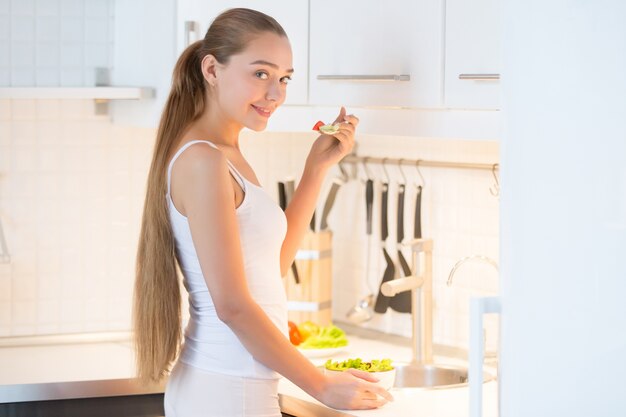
(268, 49)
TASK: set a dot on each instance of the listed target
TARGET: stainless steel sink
(432, 376)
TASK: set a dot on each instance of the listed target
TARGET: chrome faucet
(470, 258)
(486, 355)
(420, 283)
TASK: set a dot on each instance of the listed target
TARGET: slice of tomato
(318, 124)
(294, 334)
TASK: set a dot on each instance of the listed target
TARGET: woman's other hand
(327, 150)
(354, 390)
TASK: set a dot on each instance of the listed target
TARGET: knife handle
(282, 195)
(383, 210)
(369, 202)
(400, 231)
(330, 200)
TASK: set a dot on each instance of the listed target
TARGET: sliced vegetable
(294, 334)
(318, 125)
(308, 329)
(373, 366)
(329, 129)
(326, 129)
(327, 337)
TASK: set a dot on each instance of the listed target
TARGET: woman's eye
(285, 80)
(261, 74)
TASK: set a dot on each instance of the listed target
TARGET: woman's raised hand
(327, 150)
(355, 390)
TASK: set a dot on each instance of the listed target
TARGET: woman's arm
(325, 152)
(205, 191)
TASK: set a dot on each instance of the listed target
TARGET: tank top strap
(231, 167)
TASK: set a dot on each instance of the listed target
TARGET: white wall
(563, 209)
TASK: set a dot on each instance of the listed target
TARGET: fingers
(362, 374)
(342, 115)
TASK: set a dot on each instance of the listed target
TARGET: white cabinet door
(472, 44)
(292, 16)
(352, 39)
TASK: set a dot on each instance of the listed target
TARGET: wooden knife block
(311, 298)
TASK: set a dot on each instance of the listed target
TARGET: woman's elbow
(232, 309)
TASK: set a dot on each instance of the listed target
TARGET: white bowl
(385, 378)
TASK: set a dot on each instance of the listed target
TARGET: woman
(206, 212)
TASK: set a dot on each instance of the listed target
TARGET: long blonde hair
(157, 298)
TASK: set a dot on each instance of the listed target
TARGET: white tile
(71, 54)
(22, 29)
(5, 76)
(47, 110)
(22, 77)
(72, 311)
(49, 286)
(5, 51)
(47, 77)
(49, 311)
(48, 132)
(47, 7)
(22, 54)
(24, 312)
(72, 7)
(23, 110)
(23, 7)
(47, 28)
(5, 317)
(5, 6)
(96, 30)
(24, 158)
(71, 77)
(48, 263)
(96, 55)
(5, 288)
(47, 55)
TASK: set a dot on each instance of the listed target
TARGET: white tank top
(209, 343)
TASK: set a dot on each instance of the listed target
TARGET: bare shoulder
(200, 173)
(201, 159)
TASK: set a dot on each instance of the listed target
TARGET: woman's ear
(209, 69)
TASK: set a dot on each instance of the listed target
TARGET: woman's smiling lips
(262, 111)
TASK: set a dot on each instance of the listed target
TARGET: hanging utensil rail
(353, 159)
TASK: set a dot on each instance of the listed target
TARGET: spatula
(382, 301)
(401, 302)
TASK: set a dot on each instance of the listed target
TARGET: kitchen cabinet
(472, 54)
(373, 53)
(292, 16)
(144, 55)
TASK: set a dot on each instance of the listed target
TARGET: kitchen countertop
(106, 369)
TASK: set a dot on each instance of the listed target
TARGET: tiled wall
(54, 42)
(71, 191)
(71, 186)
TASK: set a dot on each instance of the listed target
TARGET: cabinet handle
(479, 77)
(391, 77)
(191, 28)
(478, 307)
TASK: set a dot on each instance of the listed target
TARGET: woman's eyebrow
(269, 64)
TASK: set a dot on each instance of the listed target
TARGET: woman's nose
(275, 92)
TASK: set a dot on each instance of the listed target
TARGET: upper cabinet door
(292, 16)
(375, 53)
(472, 45)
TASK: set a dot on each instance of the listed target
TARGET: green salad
(373, 366)
(327, 337)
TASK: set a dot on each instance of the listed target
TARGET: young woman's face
(254, 82)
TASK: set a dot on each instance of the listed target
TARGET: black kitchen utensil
(401, 302)
(382, 301)
(282, 202)
(330, 200)
(417, 228)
